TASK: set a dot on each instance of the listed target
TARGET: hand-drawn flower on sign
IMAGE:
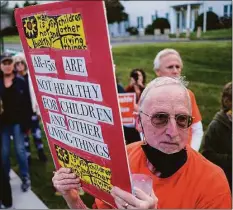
(62, 154)
(30, 27)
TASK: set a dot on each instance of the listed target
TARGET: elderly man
(14, 118)
(169, 63)
(182, 178)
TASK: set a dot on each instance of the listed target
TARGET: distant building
(181, 14)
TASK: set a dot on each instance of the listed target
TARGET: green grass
(11, 39)
(207, 65)
(214, 34)
(217, 34)
(208, 35)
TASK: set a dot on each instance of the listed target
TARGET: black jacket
(21, 102)
(217, 143)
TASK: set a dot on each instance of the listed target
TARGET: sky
(20, 3)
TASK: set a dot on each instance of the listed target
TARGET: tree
(149, 30)
(34, 3)
(212, 23)
(158, 23)
(115, 11)
(226, 22)
(13, 16)
(132, 30)
(26, 3)
(4, 6)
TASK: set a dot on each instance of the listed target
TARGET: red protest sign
(67, 49)
(127, 101)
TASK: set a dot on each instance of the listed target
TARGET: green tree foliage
(27, 3)
(13, 16)
(212, 21)
(4, 9)
(149, 30)
(158, 23)
(3, 4)
(115, 11)
(132, 30)
(226, 22)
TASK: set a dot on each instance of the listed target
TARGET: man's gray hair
(162, 53)
(161, 81)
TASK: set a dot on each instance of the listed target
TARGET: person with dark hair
(137, 85)
(217, 141)
(22, 69)
(14, 119)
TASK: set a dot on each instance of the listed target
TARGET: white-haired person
(22, 70)
(168, 63)
(182, 177)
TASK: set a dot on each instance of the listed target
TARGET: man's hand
(65, 181)
(140, 200)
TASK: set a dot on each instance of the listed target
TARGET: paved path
(24, 200)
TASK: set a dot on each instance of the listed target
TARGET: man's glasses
(160, 119)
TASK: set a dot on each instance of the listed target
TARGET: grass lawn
(207, 65)
(217, 34)
(210, 35)
(214, 34)
(11, 39)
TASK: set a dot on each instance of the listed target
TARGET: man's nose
(172, 130)
(175, 69)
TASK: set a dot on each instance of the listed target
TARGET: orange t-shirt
(195, 113)
(197, 184)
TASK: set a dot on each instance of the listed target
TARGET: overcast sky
(20, 3)
(133, 6)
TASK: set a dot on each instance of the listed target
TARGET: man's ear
(138, 123)
(157, 72)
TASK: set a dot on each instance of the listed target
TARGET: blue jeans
(18, 137)
(36, 133)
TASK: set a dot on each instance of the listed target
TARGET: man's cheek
(184, 135)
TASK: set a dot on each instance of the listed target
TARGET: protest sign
(67, 49)
(127, 101)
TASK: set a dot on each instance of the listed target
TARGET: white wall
(148, 8)
(145, 9)
(218, 6)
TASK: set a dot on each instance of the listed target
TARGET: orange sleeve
(195, 111)
(221, 202)
(217, 195)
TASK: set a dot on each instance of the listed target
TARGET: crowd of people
(189, 168)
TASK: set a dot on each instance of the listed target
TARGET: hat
(19, 57)
(6, 57)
